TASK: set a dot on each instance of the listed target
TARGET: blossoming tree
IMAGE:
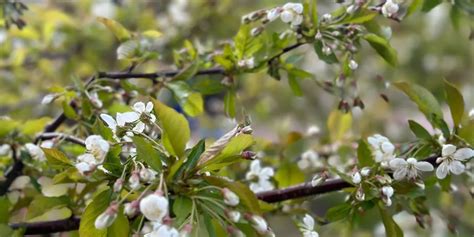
(123, 158)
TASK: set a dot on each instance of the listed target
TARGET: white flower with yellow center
(408, 168)
(154, 207)
(451, 160)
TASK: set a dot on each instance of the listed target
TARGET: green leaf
(338, 124)
(191, 101)
(182, 208)
(245, 44)
(176, 131)
(289, 174)
(465, 132)
(188, 72)
(120, 227)
(428, 5)
(7, 126)
(419, 131)
(229, 103)
(147, 153)
(338, 212)
(246, 196)
(361, 16)
(117, 29)
(329, 59)
(364, 154)
(232, 150)
(98, 205)
(383, 48)
(193, 157)
(426, 102)
(101, 129)
(294, 85)
(69, 111)
(455, 101)
(391, 227)
(4, 209)
(112, 161)
(414, 6)
(41, 205)
(31, 127)
(56, 158)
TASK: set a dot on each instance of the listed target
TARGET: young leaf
(294, 85)
(229, 103)
(364, 154)
(338, 124)
(182, 208)
(147, 153)
(426, 102)
(117, 29)
(391, 227)
(329, 59)
(42, 204)
(430, 4)
(92, 211)
(56, 158)
(383, 48)
(455, 101)
(176, 131)
(31, 127)
(338, 212)
(289, 174)
(191, 101)
(419, 131)
(361, 16)
(188, 72)
(245, 44)
(232, 149)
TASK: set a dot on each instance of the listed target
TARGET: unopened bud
(360, 195)
(134, 180)
(234, 216)
(118, 185)
(318, 36)
(131, 209)
(353, 65)
(107, 218)
(256, 31)
(249, 155)
(230, 198)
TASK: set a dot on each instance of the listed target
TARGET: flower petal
(388, 147)
(424, 166)
(448, 150)
(442, 170)
(139, 107)
(149, 107)
(109, 120)
(127, 117)
(456, 167)
(397, 163)
(400, 173)
(308, 221)
(463, 154)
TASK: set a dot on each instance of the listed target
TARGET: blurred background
(63, 40)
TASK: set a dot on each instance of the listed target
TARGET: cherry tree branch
(278, 195)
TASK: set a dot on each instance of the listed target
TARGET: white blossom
(35, 152)
(230, 198)
(47, 99)
(19, 183)
(98, 147)
(389, 8)
(248, 63)
(360, 195)
(451, 160)
(382, 148)
(309, 159)
(154, 207)
(95, 100)
(292, 13)
(307, 227)
(147, 175)
(163, 231)
(131, 209)
(122, 119)
(408, 168)
(351, 9)
(313, 130)
(262, 175)
(86, 163)
(145, 114)
(273, 14)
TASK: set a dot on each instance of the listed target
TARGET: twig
(53, 135)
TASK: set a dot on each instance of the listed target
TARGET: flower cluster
(97, 149)
(260, 177)
(128, 123)
(382, 149)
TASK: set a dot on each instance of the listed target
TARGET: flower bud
(258, 223)
(256, 31)
(360, 195)
(247, 130)
(154, 207)
(234, 216)
(356, 178)
(230, 198)
(131, 209)
(234, 232)
(249, 155)
(147, 175)
(327, 17)
(365, 171)
(353, 65)
(118, 185)
(47, 99)
(107, 218)
(134, 180)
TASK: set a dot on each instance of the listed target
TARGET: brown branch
(155, 75)
(293, 192)
(54, 135)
